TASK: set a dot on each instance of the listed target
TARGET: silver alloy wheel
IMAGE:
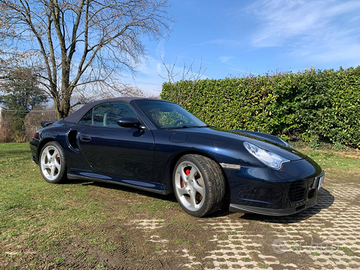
(189, 186)
(50, 162)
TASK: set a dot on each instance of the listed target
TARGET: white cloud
(281, 20)
(160, 49)
(243, 72)
(148, 76)
(222, 42)
(151, 73)
(324, 30)
(225, 59)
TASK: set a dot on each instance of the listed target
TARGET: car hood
(233, 139)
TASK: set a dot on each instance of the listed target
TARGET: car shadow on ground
(325, 200)
(224, 211)
(170, 197)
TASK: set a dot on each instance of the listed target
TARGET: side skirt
(80, 177)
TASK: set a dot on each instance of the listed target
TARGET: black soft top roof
(76, 116)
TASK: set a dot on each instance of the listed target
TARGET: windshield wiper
(179, 127)
(185, 126)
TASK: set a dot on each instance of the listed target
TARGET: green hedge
(313, 105)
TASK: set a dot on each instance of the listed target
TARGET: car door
(125, 153)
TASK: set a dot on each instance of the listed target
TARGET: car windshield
(166, 115)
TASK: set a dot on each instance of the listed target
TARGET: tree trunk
(62, 104)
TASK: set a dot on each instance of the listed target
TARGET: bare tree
(175, 75)
(81, 42)
(82, 95)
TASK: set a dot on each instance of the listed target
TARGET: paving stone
(332, 226)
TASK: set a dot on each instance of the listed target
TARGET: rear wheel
(53, 163)
(199, 185)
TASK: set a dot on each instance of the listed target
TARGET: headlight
(270, 159)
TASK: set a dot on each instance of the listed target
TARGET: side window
(86, 119)
(116, 111)
(107, 114)
(98, 114)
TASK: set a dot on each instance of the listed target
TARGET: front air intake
(297, 191)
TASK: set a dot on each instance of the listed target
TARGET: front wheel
(53, 163)
(199, 185)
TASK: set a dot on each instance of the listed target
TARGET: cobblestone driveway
(326, 236)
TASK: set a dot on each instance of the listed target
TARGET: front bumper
(265, 191)
(270, 211)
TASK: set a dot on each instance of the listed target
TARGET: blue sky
(236, 38)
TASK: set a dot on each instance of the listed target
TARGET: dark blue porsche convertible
(157, 146)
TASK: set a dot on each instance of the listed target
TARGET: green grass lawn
(41, 218)
(339, 165)
(81, 224)
(35, 215)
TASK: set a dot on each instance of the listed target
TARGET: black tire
(196, 174)
(52, 163)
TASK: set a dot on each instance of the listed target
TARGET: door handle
(85, 138)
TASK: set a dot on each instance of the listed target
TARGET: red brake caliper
(187, 172)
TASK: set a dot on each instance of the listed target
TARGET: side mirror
(47, 123)
(129, 122)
